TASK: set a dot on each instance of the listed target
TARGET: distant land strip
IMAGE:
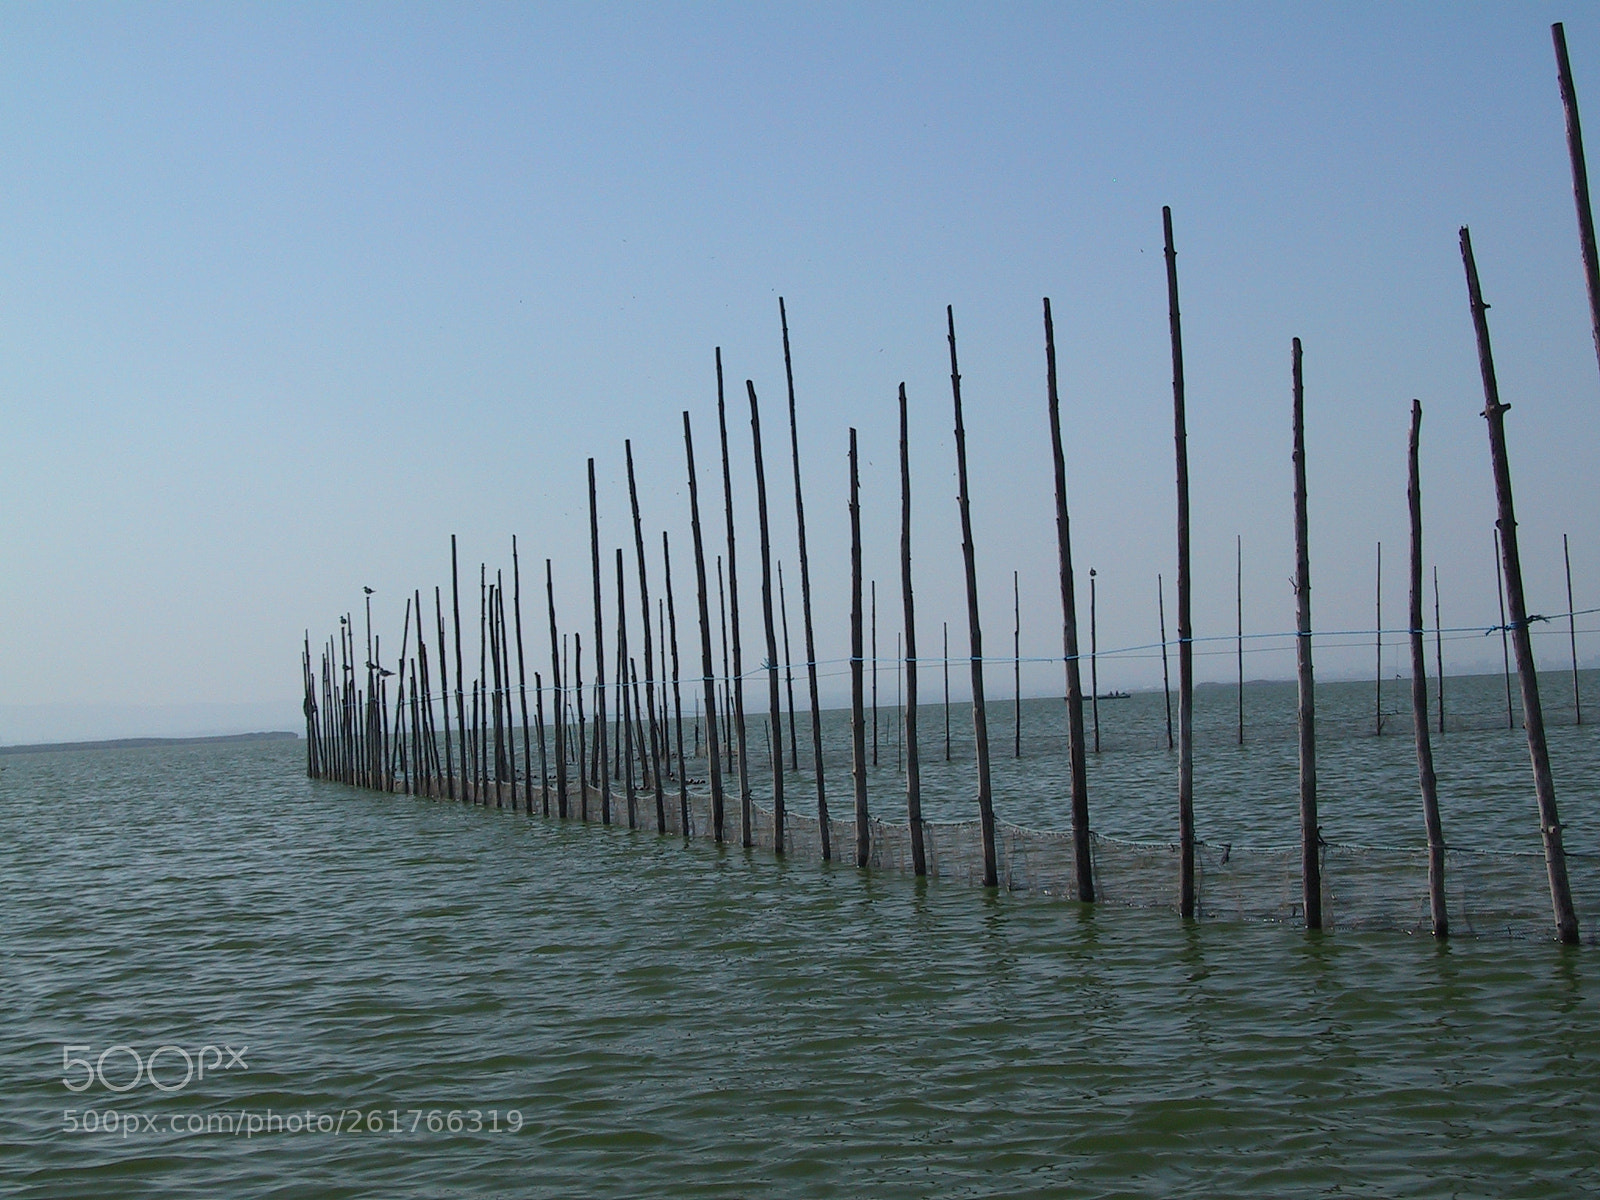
(137, 742)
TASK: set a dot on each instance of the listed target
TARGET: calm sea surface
(397, 997)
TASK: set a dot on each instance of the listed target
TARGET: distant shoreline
(134, 743)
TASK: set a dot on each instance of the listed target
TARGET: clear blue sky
(289, 294)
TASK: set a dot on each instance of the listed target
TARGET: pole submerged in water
(1076, 758)
(1306, 719)
(1419, 696)
(980, 719)
(708, 669)
(858, 719)
(774, 697)
(1186, 838)
(1580, 179)
(919, 861)
(1555, 857)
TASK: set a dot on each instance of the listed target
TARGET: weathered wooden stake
(1580, 178)
(1016, 666)
(461, 697)
(788, 673)
(1572, 635)
(599, 658)
(1166, 678)
(1438, 647)
(707, 670)
(558, 685)
(544, 762)
(1076, 758)
(774, 701)
(1310, 829)
(919, 861)
(522, 682)
(874, 672)
(947, 691)
(444, 700)
(625, 713)
(980, 716)
(585, 765)
(1419, 696)
(1186, 881)
(1532, 710)
(858, 719)
(1238, 595)
(1377, 691)
(1505, 636)
(1094, 663)
(736, 682)
(824, 832)
(677, 692)
(656, 736)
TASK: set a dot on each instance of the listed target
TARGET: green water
(678, 1020)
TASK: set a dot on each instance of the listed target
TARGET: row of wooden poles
(352, 736)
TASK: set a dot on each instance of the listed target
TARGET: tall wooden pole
(585, 763)
(461, 698)
(1306, 720)
(736, 682)
(1016, 666)
(774, 698)
(805, 600)
(1186, 887)
(1505, 636)
(522, 681)
(544, 761)
(1166, 678)
(1419, 696)
(1532, 710)
(599, 657)
(1438, 647)
(1094, 663)
(558, 694)
(1580, 179)
(1572, 635)
(707, 668)
(1077, 759)
(444, 700)
(980, 717)
(677, 691)
(858, 719)
(656, 737)
(788, 671)
(623, 707)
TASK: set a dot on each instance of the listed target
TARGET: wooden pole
(444, 699)
(558, 685)
(774, 699)
(677, 692)
(919, 861)
(805, 601)
(481, 722)
(1566, 918)
(1076, 758)
(1580, 179)
(656, 737)
(1094, 663)
(599, 657)
(899, 705)
(584, 763)
(544, 762)
(461, 698)
(858, 720)
(1419, 696)
(1016, 666)
(727, 694)
(1306, 721)
(522, 682)
(625, 712)
(707, 670)
(1505, 637)
(1438, 647)
(1166, 678)
(980, 717)
(1572, 635)
(788, 672)
(736, 681)
(1186, 882)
